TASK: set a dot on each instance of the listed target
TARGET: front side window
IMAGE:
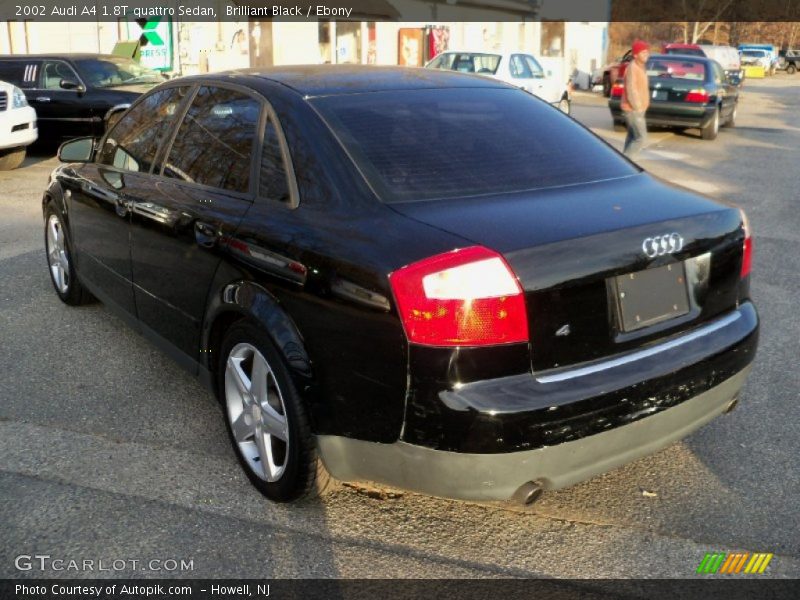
(214, 144)
(535, 67)
(133, 142)
(53, 72)
(519, 68)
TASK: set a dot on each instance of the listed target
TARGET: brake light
(467, 297)
(699, 95)
(616, 90)
(747, 250)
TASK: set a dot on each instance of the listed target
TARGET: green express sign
(155, 40)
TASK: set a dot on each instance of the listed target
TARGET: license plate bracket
(652, 296)
(660, 94)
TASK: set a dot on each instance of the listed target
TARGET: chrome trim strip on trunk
(639, 354)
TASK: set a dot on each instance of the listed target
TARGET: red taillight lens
(701, 96)
(616, 90)
(467, 297)
(747, 250)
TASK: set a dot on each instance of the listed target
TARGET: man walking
(636, 98)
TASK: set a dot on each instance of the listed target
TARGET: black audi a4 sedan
(421, 278)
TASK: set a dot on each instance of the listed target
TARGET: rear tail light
(700, 95)
(616, 90)
(467, 297)
(747, 251)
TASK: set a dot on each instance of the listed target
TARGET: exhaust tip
(732, 404)
(528, 493)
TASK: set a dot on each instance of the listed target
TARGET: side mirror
(71, 84)
(549, 73)
(79, 150)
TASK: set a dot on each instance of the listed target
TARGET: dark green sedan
(685, 92)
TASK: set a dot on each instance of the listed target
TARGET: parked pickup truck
(789, 61)
(614, 71)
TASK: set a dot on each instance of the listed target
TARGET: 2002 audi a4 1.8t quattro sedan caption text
(422, 278)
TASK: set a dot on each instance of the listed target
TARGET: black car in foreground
(416, 277)
(686, 92)
(77, 94)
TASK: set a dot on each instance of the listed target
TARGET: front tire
(564, 105)
(11, 159)
(267, 422)
(710, 131)
(60, 263)
(791, 69)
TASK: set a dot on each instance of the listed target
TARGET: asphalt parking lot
(108, 450)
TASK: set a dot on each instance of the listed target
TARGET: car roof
(333, 80)
(63, 56)
(694, 57)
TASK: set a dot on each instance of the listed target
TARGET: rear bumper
(498, 476)
(672, 114)
(484, 439)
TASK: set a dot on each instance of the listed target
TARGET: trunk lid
(567, 245)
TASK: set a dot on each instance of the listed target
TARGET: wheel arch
(249, 301)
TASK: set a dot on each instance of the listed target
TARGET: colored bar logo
(735, 563)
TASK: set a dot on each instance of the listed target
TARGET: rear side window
(443, 61)
(273, 181)
(20, 73)
(214, 144)
(446, 143)
(134, 141)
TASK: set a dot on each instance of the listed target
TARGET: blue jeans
(637, 133)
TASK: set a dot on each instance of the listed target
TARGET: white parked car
(517, 68)
(17, 126)
(727, 56)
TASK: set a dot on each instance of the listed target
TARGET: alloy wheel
(57, 254)
(256, 412)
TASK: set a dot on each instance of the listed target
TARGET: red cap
(639, 46)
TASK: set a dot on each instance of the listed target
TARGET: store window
(552, 39)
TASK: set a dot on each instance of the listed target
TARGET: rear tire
(564, 105)
(791, 69)
(59, 261)
(606, 85)
(710, 131)
(11, 159)
(267, 422)
(731, 122)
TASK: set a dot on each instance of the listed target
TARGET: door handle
(205, 234)
(42, 99)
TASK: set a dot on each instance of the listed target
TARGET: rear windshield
(664, 68)
(685, 51)
(471, 62)
(756, 53)
(448, 143)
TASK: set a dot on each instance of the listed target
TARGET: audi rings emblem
(669, 243)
